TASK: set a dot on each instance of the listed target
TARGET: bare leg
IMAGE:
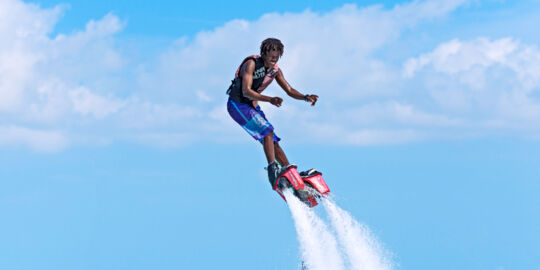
(280, 155)
(268, 145)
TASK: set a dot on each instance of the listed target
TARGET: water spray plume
(363, 251)
(318, 246)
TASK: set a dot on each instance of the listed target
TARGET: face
(270, 58)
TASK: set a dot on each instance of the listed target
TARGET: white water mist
(317, 244)
(362, 249)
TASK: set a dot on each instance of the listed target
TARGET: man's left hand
(312, 99)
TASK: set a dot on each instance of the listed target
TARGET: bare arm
(293, 92)
(252, 94)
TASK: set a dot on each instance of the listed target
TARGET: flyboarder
(254, 74)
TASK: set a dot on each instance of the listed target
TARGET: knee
(269, 137)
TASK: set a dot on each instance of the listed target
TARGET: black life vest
(261, 79)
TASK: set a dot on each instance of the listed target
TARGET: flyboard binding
(308, 186)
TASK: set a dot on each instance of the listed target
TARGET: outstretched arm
(293, 92)
(250, 93)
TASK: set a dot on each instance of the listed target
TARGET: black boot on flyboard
(308, 186)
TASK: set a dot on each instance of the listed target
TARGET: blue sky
(118, 153)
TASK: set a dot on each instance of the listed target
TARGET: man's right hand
(276, 101)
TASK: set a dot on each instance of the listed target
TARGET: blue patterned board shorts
(251, 119)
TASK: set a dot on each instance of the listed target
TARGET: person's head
(271, 51)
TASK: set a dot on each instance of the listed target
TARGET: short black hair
(271, 44)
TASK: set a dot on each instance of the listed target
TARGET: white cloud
(329, 54)
(87, 103)
(203, 96)
(456, 56)
(39, 140)
(493, 81)
(322, 51)
(40, 71)
(22, 28)
(141, 115)
(334, 134)
(396, 114)
(83, 82)
(377, 137)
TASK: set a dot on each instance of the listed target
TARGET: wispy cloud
(85, 84)
(488, 80)
(38, 140)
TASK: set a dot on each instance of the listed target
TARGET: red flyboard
(297, 182)
(292, 175)
(317, 182)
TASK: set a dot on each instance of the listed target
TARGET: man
(252, 77)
